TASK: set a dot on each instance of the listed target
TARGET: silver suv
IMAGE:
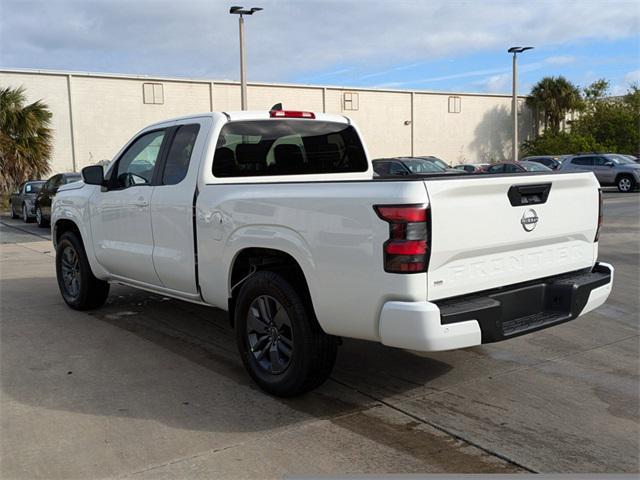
(609, 169)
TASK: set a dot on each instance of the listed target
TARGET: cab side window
(179, 155)
(137, 164)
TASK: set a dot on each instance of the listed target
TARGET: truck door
(122, 227)
(172, 206)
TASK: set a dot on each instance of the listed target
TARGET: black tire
(25, 215)
(13, 211)
(88, 292)
(313, 352)
(42, 222)
(626, 183)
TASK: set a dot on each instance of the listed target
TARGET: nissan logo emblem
(529, 220)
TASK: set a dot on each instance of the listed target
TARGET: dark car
(438, 162)
(407, 166)
(46, 194)
(22, 201)
(472, 167)
(517, 167)
(551, 161)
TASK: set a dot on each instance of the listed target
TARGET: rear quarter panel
(329, 228)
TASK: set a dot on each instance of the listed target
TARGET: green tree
(25, 138)
(554, 97)
(561, 143)
(613, 123)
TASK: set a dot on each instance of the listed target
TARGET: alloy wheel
(269, 334)
(624, 184)
(70, 268)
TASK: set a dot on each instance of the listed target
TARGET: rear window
(287, 147)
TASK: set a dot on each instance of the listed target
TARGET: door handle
(141, 203)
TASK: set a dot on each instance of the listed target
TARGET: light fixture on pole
(241, 11)
(514, 100)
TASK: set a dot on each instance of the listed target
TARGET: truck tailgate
(492, 231)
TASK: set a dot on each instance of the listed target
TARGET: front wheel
(280, 341)
(626, 184)
(80, 289)
(42, 222)
(25, 214)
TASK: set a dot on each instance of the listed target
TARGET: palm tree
(25, 138)
(554, 97)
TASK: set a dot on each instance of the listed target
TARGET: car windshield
(417, 165)
(621, 160)
(534, 167)
(33, 187)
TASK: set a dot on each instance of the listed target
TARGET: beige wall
(108, 110)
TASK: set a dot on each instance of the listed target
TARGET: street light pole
(243, 65)
(514, 99)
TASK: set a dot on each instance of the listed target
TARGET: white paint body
(143, 236)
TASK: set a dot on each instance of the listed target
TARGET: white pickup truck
(277, 217)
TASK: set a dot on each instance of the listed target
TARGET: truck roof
(252, 115)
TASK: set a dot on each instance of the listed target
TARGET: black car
(408, 166)
(548, 161)
(46, 194)
(22, 201)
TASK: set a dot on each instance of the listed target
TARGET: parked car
(22, 201)
(285, 228)
(609, 169)
(552, 162)
(406, 166)
(517, 167)
(437, 161)
(42, 204)
(472, 167)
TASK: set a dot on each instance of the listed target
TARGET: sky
(455, 45)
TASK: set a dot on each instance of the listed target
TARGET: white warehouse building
(95, 114)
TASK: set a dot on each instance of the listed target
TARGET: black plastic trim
(523, 308)
(529, 194)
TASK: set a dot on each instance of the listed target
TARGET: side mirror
(93, 175)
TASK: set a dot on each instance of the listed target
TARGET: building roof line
(255, 84)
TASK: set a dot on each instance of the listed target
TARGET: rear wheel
(626, 183)
(42, 222)
(80, 289)
(280, 341)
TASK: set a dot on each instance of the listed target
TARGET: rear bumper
(494, 315)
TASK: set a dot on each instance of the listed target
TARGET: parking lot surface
(149, 387)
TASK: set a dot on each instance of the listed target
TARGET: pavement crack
(180, 460)
(437, 427)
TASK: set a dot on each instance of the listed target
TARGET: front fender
(74, 206)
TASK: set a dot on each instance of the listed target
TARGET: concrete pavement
(153, 388)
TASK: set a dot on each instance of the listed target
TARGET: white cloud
(632, 77)
(290, 37)
(560, 60)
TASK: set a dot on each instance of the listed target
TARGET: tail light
(290, 114)
(407, 250)
(600, 215)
